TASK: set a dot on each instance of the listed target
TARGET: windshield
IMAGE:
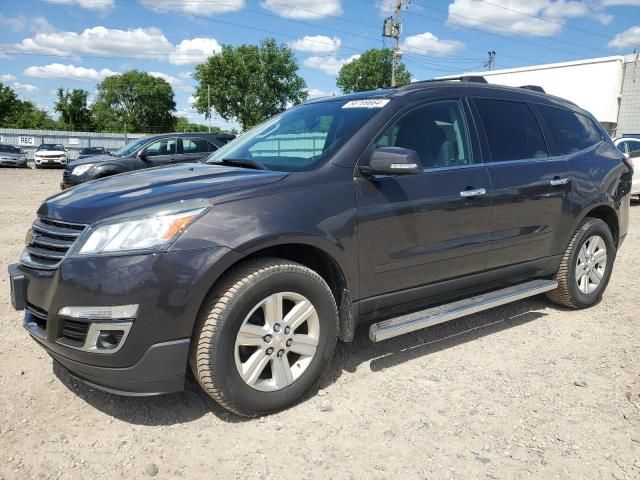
(9, 149)
(301, 138)
(50, 146)
(132, 147)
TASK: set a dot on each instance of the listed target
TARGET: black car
(370, 207)
(92, 152)
(146, 152)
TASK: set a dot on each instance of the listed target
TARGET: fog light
(100, 313)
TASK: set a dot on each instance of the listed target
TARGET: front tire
(586, 266)
(264, 336)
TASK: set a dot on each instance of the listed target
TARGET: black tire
(212, 357)
(568, 293)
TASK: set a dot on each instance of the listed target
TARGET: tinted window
(512, 130)
(196, 145)
(571, 131)
(9, 149)
(436, 131)
(623, 147)
(166, 146)
(51, 146)
(633, 147)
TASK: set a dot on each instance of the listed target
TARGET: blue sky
(46, 44)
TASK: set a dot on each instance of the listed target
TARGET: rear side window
(570, 131)
(512, 130)
(196, 145)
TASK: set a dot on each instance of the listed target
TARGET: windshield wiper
(244, 162)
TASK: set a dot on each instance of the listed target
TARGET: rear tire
(264, 336)
(586, 266)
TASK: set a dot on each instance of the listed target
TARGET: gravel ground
(526, 390)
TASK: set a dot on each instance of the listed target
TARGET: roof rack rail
(535, 88)
(464, 78)
(472, 78)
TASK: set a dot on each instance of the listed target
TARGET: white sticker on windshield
(367, 103)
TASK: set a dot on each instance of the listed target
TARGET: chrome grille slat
(50, 242)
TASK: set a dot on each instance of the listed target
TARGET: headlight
(80, 169)
(151, 230)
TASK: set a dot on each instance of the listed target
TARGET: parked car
(50, 155)
(370, 207)
(152, 151)
(11, 156)
(631, 148)
(92, 152)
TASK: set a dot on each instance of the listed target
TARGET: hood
(103, 157)
(12, 155)
(99, 199)
(50, 152)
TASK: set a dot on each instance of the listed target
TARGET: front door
(161, 152)
(420, 230)
(530, 188)
(193, 149)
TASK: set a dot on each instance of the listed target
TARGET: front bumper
(54, 161)
(168, 288)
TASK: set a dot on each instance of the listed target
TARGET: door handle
(558, 181)
(476, 192)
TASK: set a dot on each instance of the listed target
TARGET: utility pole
(209, 107)
(491, 61)
(392, 28)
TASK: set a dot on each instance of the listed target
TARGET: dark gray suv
(152, 151)
(402, 208)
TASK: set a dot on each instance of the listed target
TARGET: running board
(450, 311)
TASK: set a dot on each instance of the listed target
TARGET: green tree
(184, 125)
(73, 109)
(249, 83)
(372, 70)
(8, 104)
(135, 101)
(16, 113)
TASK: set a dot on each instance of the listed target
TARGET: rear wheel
(264, 336)
(586, 266)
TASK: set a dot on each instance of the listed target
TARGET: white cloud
(15, 23)
(176, 83)
(329, 65)
(309, 9)
(195, 7)
(69, 72)
(503, 16)
(428, 44)
(41, 25)
(186, 75)
(101, 5)
(627, 39)
(616, 3)
(317, 93)
(195, 50)
(24, 87)
(138, 42)
(7, 77)
(316, 44)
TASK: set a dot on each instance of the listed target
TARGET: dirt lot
(527, 390)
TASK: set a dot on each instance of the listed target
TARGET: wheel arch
(315, 258)
(607, 214)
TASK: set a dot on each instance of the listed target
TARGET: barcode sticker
(367, 103)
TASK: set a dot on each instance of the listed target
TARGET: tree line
(246, 83)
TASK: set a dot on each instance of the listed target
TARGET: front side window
(570, 130)
(436, 131)
(166, 146)
(303, 137)
(623, 147)
(512, 130)
(633, 147)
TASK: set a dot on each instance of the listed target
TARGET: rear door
(194, 149)
(419, 230)
(530, 187)
(161, 152)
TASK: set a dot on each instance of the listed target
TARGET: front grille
(74, 330)
(49, 243)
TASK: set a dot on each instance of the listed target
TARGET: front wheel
(585, 269)
(264, 336)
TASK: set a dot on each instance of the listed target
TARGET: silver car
(11, 156)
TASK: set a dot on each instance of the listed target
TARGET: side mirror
(142, 155)
(393, 161)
